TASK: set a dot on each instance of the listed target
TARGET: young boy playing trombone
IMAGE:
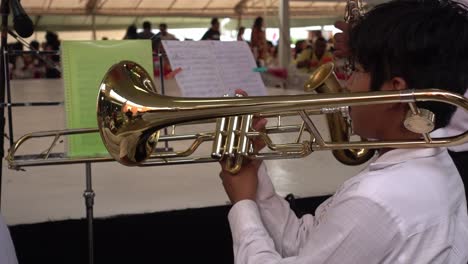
(408, 205)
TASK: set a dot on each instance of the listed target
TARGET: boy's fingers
(242, 92)
(340, 37)
(259, 124)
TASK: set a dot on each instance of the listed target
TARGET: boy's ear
(395, 84)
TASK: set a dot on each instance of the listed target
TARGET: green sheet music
(84, 65)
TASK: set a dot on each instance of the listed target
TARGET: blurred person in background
(300, 46)
(34, 44)
(131, 32)
(272, 57)
(163, 34)
(16, 61)
(258, 41)
(148, 34)
(213, 32)
(309, 60)
(38, 64)
(52, 44)
(320, 54)
(240, 34)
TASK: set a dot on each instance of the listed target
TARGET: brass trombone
(132, 138)
(48, 157)
(131, 114)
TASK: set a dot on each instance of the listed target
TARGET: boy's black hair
(425, 42)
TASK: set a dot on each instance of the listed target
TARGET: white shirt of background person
(7, 250)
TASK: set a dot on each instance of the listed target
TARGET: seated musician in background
(310, 59)
(408, 205)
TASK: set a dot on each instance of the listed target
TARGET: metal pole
(8, 92)
(284, 44)
(89, 202)
(93, 23)
(161, 70)
(163, 90)
(239, 21)
(4, 9)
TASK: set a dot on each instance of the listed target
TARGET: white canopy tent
(118, 14)
(76, 15)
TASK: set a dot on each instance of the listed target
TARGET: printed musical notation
(214, 68)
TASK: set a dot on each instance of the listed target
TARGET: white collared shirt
(7, 250)
(408, 206)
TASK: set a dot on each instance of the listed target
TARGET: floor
(56, 192)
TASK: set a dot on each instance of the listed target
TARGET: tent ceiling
(111, 14)
(204, 8)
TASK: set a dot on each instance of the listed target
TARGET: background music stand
(88, 193)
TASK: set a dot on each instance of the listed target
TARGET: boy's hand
(172, 74)
(342, 49)
(243, 185)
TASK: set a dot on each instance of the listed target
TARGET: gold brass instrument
(353, 11)
(49, 157)
(161, 111)
(130, 115)
(324, 81)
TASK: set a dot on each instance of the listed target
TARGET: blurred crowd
(306, 55)
(310, 54)
(27, 65)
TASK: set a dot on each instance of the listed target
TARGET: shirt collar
(397, 156)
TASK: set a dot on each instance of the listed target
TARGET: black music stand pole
(89, 202)
(4, 10)
(163, 89)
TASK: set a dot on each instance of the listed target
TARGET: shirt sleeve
(286, 230)
(353, 230)
(7, 250)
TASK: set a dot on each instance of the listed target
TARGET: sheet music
(214, 68)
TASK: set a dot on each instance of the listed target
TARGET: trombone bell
(118, 111)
